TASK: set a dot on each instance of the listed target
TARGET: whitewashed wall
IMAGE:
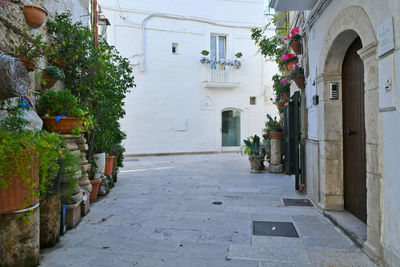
(170, 111)
(378, 12)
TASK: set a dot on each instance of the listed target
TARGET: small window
(252, 100)
(174, 48)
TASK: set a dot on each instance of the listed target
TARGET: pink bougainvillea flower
(292, 31)
(287, 56)
(296, 29)
(283, 81)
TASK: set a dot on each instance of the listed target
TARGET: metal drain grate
(282, 229)
(297, 202)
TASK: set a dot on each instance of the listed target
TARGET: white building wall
(378, 12)
(170, 111)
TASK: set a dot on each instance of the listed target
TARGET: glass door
(230, 128)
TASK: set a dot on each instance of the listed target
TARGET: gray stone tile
(339, 258)
(276, 242)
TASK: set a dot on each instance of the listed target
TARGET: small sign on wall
(385, 37)
(386, 84)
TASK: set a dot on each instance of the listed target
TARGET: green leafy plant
(31, 47)
(280, 84)
(272, 48)
(272, 125)
(251, 146)
(238, 55)
(205, 53)
(57, 103)
(298, 71)
(54, 72)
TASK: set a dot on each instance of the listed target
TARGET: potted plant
(295, 40)
(289, 61)
(298, 76)
(61, 112)
(109, 165)
(29, 163)
(281, 86)
(30, 49)
(35, 16)
(253, 149)
(274, 128)
(50, 76)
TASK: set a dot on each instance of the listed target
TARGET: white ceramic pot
(100, 161)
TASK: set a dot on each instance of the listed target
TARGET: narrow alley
(198, 210)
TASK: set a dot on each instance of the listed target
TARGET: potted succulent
(50, 76)
(298, 76)
(289, 61)
(35, 16)
(30, 49)
(61, 112)
(295, 40)
(253, 149)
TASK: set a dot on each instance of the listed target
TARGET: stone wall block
(330, 149)
(19, 239)
(372, 117)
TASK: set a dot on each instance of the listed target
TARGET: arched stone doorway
(350, 24)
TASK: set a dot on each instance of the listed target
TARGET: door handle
(348, 132)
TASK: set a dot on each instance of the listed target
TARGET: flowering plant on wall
(288, 57)
(293, 36)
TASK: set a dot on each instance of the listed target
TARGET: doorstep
(351, 225)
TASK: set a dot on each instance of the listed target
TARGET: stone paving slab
(160, 213)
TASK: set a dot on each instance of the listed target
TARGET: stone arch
(350, 23)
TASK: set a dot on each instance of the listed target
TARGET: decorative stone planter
(256, 163)
(100, 164)
(35, 16)
(64, 126)
(296, 47)
(276, 152)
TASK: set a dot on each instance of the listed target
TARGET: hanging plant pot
(285, 94)
(21, 193)
(95, 189)
(291, 65)
(109, 165)
(35, 16)
(48, 81)
(296, 47)
(65, 125)
(275, 135)
(29, 64)
(300, 81)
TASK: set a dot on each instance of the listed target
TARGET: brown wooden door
(354, 157)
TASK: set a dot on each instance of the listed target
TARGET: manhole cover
(266, 228)
(297, 202)
(217, 203)
(131, 159)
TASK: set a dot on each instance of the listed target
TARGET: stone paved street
(161, 213)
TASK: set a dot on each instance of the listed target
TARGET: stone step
(277, 255)
(276, 242)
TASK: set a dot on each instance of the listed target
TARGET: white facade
(175, 107)
(327, 39)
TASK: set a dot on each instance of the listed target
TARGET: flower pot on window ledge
(35, 16)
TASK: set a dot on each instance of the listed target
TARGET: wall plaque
(385, 37)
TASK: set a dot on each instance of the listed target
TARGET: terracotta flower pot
(35, 16)
(291, 65)
(300, 81)
(296, 47)
(20, 194)
(109, 165)
(286, 94)
(64, 126)
(95, 189)
(275, 135)
(58, 63)
(48, 81)
(29, 64)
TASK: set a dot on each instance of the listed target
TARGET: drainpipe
(95, 24)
